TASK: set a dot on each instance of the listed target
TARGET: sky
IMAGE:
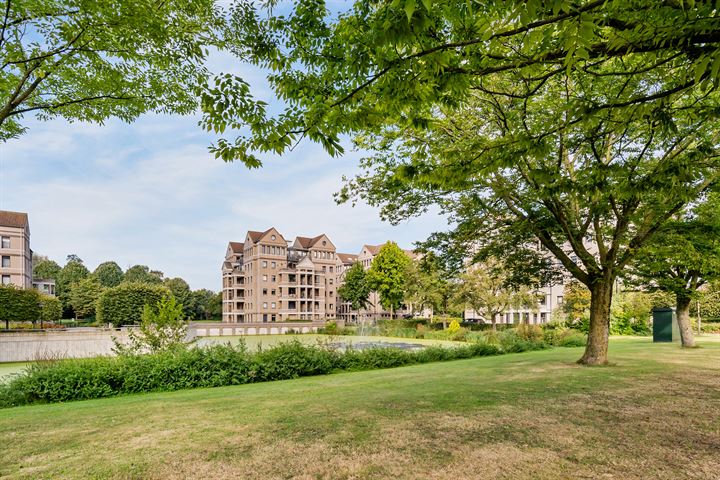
(151, 193)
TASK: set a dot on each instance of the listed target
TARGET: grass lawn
(654, 414)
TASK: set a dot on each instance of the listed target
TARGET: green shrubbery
(124, 304)
(221, 365)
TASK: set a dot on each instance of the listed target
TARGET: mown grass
(655, 413)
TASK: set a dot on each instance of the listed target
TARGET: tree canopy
(682, 257)
(388, 275)
(355, 287)
(109, 274)
(89, 61)
(375, 64)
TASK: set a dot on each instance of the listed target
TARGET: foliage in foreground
(223, 365)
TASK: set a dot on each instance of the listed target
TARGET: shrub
(19, 305)
(51, 310)
(163, 327)
(211, 366)
(123, 305)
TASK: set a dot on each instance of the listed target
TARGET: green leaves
(90, 61)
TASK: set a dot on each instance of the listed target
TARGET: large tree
(109, 274)
(386, 62)
(683, 257)
(92, 60)
(428, 286)
(591, 196)
(388, 276)
(572, 123)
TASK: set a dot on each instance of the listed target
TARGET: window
(264, 263)
(5, 242)
(324, 269)
(264, 278)
(6, 279)
(272, 305)
(272, 237)
(264, 291)
(273, 278)
(264, 317)
(6, 261)
(560, 300)
(272, 318)
(272, 292)
(264, 304)
(331, 269)
(263, 249)
(273, 265)
(330, 281)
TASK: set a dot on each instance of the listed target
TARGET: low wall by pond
(94, 342)
(32, 346)
(232, 329)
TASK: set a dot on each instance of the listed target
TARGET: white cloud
(150, 193)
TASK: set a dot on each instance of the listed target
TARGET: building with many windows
(15, 253)
(268, 278)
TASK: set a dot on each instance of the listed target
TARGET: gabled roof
(237, 247)
(373, 249)
(347, 257)
(13, 219)
(255, 236)
(307, 242)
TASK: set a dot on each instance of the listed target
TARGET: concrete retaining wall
(30, 346)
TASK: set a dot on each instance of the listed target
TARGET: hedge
(19, 305)
(123, 305)
(212, 366)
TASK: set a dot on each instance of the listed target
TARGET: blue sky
(150, 193)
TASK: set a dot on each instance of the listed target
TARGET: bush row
(221, 365)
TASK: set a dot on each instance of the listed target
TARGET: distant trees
(79, 290)
(84, 295)
(388, 276)
(123, 305)
(71, 273)
(46, 269)
(355, 288)
(109, 274)
(143, 274)
(485, 290)
(428, 285)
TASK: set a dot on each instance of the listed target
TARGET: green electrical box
(664, 325)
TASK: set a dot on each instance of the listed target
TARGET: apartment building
(267, 278)
(15, 253)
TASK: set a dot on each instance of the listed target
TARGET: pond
(336, 341)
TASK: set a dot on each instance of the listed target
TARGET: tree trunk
(596, 350)
(683, 320)
(494, 321)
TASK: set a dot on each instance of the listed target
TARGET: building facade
(268, 278)
(15, 252)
